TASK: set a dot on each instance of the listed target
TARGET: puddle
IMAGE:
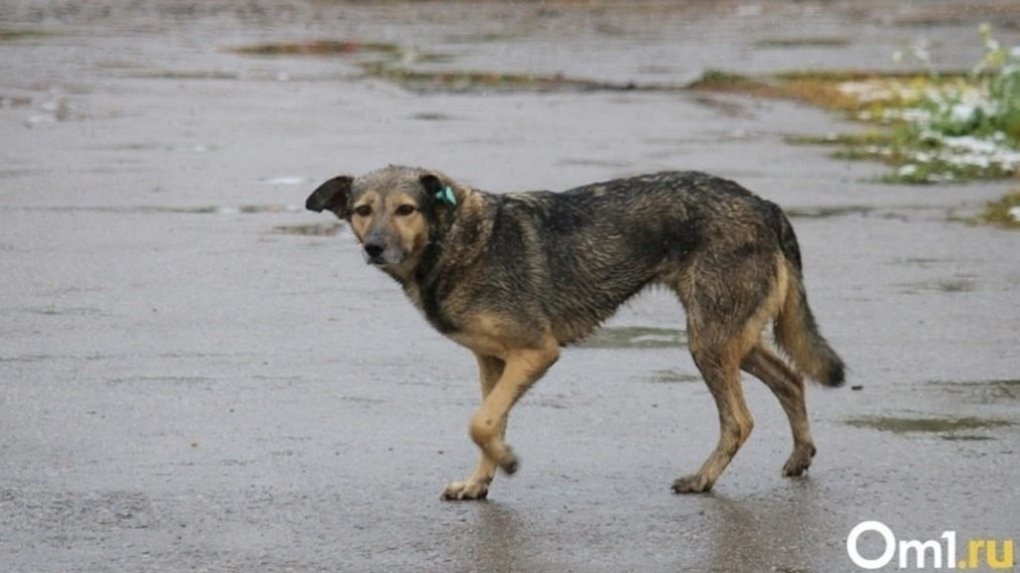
(724, 108)
(948, 426)
(310, 230)
(636, 337)
(921, 262)
(594, 163)
(158, 209)
(184, 75)
(285, 180)
(182, 380)
(428, 116)
(673, 377)
(13, 102)
(28, 358)
(66, 311)
(481, 38)
(949, 285)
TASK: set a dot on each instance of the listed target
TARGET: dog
(514, 277)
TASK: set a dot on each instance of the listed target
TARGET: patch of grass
(459, 81)
(829, 212)
(925, 425)
(965, 438)
(806, 42)
(11, 35)
(317, 48)
(1003, 213)
(934, 126)
(726, 82)
(871, 137)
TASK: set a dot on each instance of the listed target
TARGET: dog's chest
(429, 302)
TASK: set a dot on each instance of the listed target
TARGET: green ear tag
(446, 196)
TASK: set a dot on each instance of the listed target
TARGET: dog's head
(393, 212)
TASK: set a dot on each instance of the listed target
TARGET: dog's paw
(692, 484)
(799, 462)
(466, 490)
(509, 462)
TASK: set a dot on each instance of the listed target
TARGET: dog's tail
(795, 328)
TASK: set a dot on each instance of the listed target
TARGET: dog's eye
(405, 210)
(363, 210)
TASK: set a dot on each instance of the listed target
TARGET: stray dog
(515, 276)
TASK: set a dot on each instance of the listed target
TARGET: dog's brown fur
(514, 277)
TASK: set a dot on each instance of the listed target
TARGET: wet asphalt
(196, 375)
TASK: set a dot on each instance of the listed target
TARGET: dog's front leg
(476, 486)
(514, 375)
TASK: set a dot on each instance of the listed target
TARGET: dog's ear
(439, 191)
(333, 195)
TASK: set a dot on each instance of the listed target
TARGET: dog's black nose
(373, 250)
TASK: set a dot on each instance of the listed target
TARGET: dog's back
(583, 252)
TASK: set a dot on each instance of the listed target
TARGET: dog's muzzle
(374, 254)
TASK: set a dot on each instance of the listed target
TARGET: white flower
(1014, 213)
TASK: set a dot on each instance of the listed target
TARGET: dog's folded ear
(439, 190)
(333, 195)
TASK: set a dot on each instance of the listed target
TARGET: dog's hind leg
(476, 486)
(789, 389)
(718, 359)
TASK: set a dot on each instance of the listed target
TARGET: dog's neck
(424, 276)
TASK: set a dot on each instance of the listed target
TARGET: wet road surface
(195, 375)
